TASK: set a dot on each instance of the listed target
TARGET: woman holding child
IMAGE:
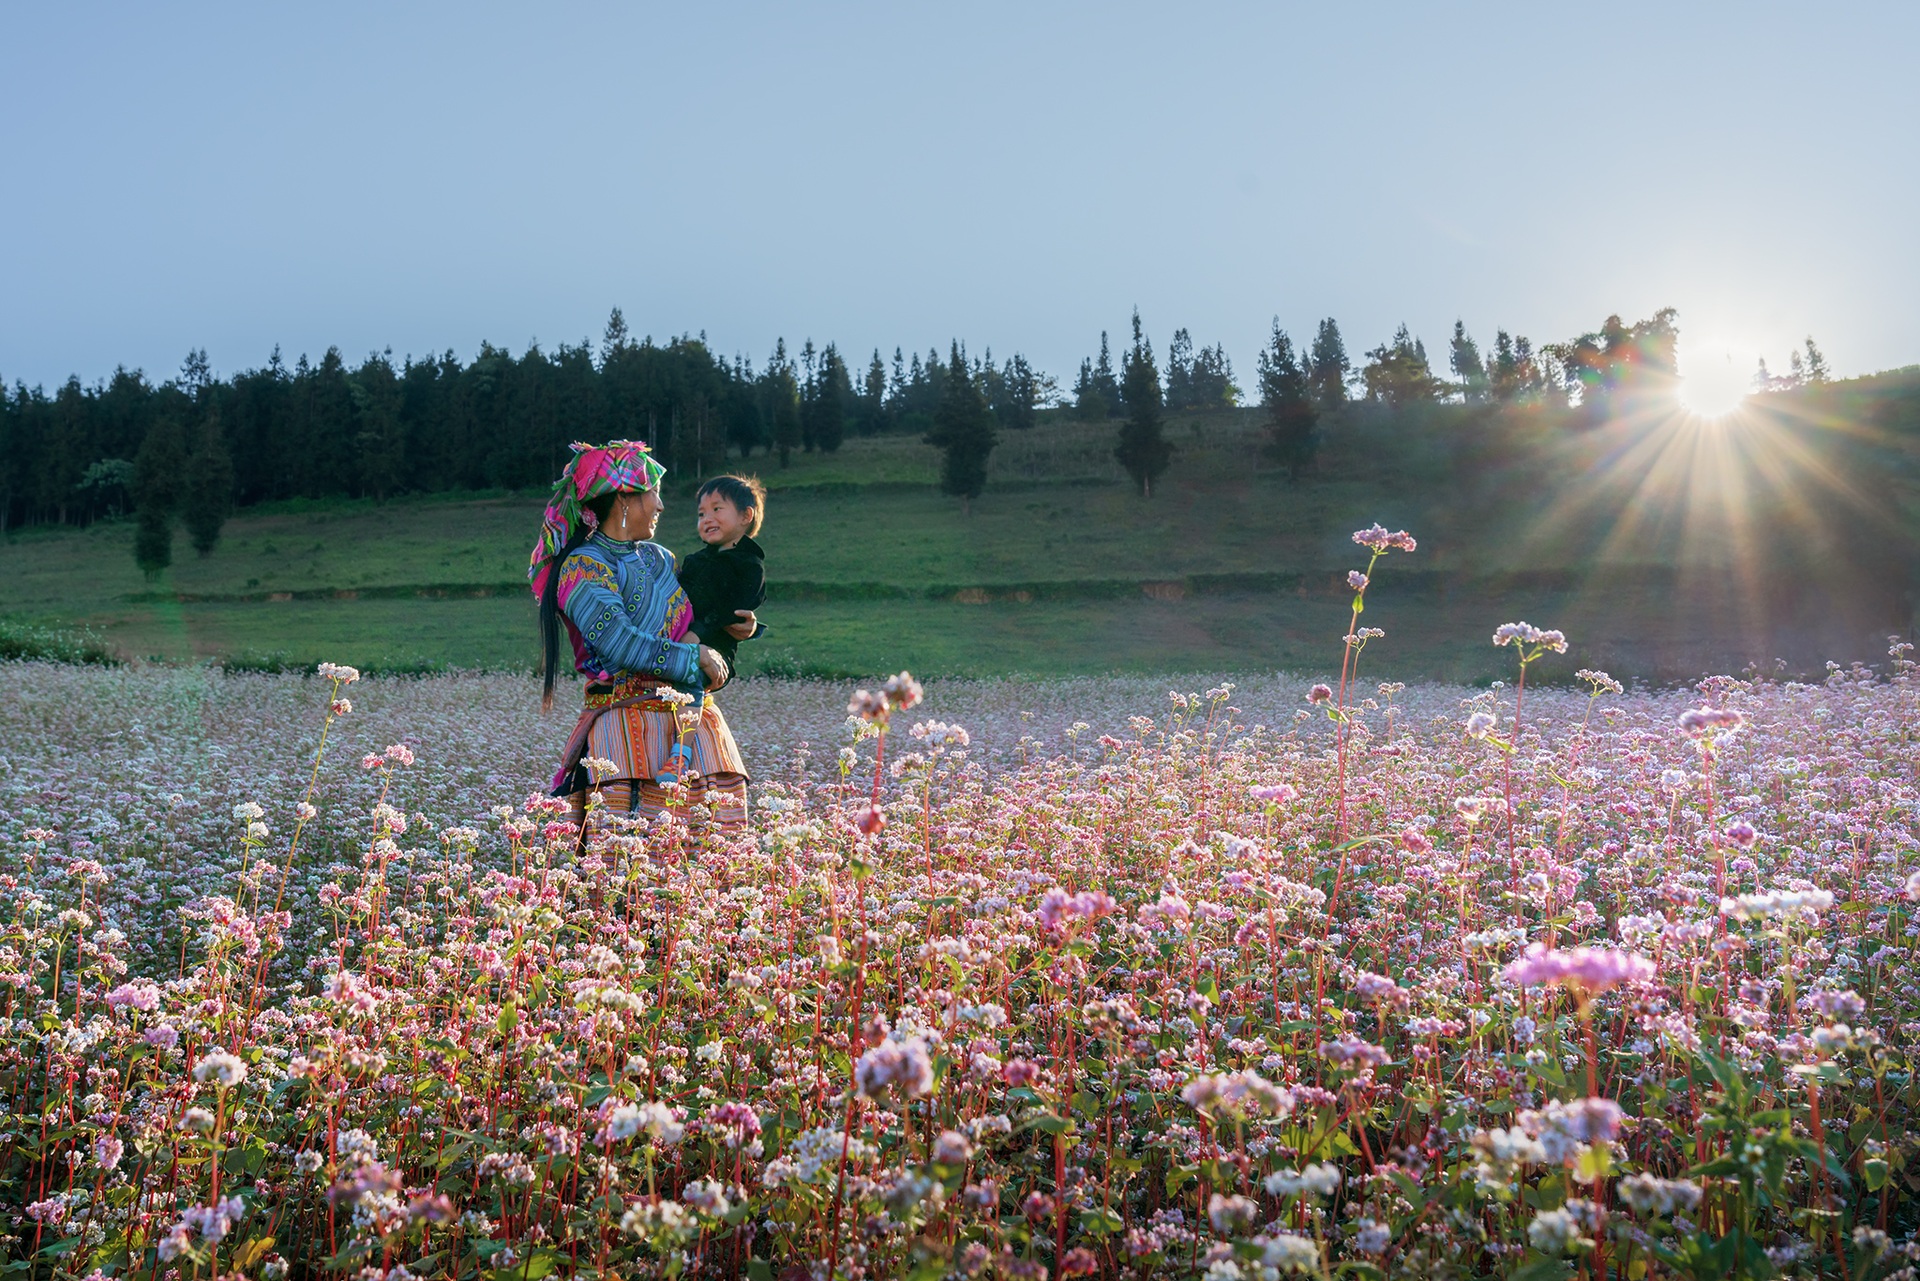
(651, 649)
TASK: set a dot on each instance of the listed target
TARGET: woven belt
(600, 697)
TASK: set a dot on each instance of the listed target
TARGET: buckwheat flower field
(1023, 981)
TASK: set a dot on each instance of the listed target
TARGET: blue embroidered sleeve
(595, 608)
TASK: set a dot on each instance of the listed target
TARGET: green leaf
(1100, 1222)
(509, 1018)
(1178, 1177)
(1542, 1268)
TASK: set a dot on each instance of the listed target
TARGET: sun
(1712, 382)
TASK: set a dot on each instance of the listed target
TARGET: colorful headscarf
(618, 467)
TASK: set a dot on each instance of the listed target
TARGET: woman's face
(635, 516)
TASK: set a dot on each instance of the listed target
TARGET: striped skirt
(638, 738)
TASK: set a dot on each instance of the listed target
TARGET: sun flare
(1709, 401)
(1712, 384)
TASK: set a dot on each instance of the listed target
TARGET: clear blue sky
(425, 176)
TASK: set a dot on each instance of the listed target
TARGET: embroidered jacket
(626, 614)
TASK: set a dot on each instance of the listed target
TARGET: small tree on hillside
(1212, 385)
(963, 430)
(1292, 435)
(825, 404)
(1180, 371)
(1019, 395)
(107, 482)
(745, 426)
(157, 472)
(379, 452)
(1397, 373)
(871, 412)
(1328, 367)
(1817, 371)
(780, 388)
(1096, 393)
(206, 488)
(1143, 451)
(1463, 356)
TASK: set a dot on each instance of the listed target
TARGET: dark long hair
(550, 600)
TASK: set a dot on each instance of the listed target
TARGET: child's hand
(746, 627)
(714, 668)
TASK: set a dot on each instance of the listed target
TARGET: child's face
(720, 523)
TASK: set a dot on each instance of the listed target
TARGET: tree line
(184, 451)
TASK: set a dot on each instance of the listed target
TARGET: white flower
(625, 1121)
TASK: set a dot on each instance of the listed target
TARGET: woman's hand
(714, 667)
(746, 627)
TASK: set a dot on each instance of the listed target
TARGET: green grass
(1062, 568)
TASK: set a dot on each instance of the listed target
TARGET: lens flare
(1712, 384)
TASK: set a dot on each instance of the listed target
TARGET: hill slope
(1665, 546)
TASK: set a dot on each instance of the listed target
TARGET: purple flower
(1587, 970)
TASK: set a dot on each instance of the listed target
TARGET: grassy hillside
(1665, 548)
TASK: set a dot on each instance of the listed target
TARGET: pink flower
(1524, 634)
(1587, 970)
(1698, 722)
(904, 1065)
(1016, 1072)
(1379, 540)
(140, 994)
(1320, 694)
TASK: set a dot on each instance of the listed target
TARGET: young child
(728, 573)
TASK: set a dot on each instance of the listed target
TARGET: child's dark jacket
(717, 582)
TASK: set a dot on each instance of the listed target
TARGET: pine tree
(809, 388)
(897, 384)
(745, 426)
(1020, 394)
(1180, 389)
(1212, 379)
(1397, 373)
(206, 489)
(1817, 371)
(1464, 359)
(781, 396)
(378, 445)
(157, 493)
(1143, 450)
(1328, 367)
(616, 339)
(829, 391)
(1287, 397)
(1105, 385)
(1087, 405)
(963, 429)
(873, 397)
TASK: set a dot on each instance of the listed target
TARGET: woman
(597, 571)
